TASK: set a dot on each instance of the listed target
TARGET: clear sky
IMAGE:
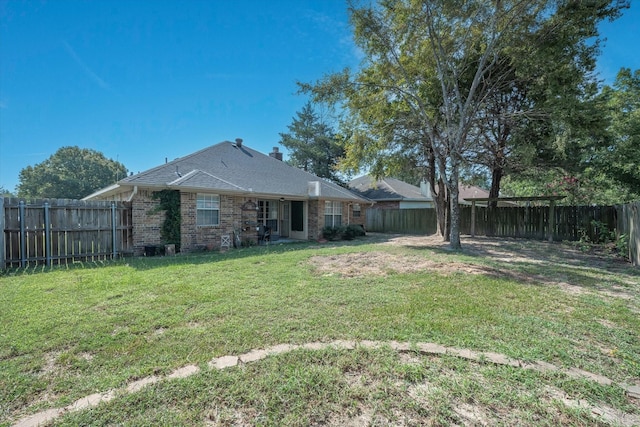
(146, 80)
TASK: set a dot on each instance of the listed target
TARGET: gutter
(133, 193)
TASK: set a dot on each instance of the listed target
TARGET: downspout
(133, 193)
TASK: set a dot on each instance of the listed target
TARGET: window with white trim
(332, 213)
(208, 209)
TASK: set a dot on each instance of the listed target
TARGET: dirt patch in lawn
(362, 264)
(528, 261)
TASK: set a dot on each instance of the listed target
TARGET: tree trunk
(439, 196)
(440, 202)
(496, 177)
(454, 243)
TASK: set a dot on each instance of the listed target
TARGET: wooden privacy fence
(411, 221)
(533, 222)
(57, 231)
(571, 222)
(629, 226)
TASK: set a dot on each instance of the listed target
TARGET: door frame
(304, 233)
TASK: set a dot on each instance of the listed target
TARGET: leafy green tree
(619, 158)
(313, 145)
(588, 187)
(71, 172)
(545, 113)
(594, 158)
(441, 62)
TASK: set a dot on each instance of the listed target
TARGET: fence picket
(61, 230)
(570, 222)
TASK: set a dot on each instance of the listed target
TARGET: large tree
(595, 158)
(443, 62)
(435, 58)
(313, 144)
(620, 156)
(71, 172)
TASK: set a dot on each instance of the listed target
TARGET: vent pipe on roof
(276, 154)
(238, 142)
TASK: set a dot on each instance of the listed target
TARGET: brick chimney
(276, 154)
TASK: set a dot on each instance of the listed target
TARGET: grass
(67, 333)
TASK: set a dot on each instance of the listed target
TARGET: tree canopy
(313, 145)
(456, 85)
(597, 162)
(619, 158)
(71, 172)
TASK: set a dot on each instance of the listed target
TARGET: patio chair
(264, 234)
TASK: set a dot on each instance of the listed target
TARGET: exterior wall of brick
(194, 237)
(235, 214)
(356, 220)
(315, 218)
(146, 224)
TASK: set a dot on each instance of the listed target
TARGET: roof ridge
(223, 180)
(389, 185)
(183, 177)
(177, 159)
(197, 171)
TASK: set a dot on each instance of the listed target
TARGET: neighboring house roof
(468, 191)
(386, 189)
(392, 189)
(233, 168)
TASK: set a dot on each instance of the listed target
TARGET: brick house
(391, 193)
(229, 189)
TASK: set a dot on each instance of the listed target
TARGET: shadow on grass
(541, 263)
(191, 258)
(520, 260)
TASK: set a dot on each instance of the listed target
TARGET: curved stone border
(224, 362)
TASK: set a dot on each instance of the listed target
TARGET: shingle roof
(392, 189)
(229, 168)
(386, 189)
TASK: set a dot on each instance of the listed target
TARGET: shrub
(345, 232)
(330, 233)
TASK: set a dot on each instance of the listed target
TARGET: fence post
(552, 219)
(2, 260)
(23, 243)
(113, 230)
(473, 218)
(47, 235)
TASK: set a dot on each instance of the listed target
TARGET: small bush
(345, 232)
(330, 233)
(358, 230)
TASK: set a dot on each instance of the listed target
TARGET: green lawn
(66, 333)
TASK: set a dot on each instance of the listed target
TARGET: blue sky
(142, 81)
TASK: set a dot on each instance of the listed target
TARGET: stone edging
(224, 362)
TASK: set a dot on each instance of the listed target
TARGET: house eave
(107, 191)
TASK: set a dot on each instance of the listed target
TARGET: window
(356, 210)
(208, 209)
(268, 214)
(332, 214)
